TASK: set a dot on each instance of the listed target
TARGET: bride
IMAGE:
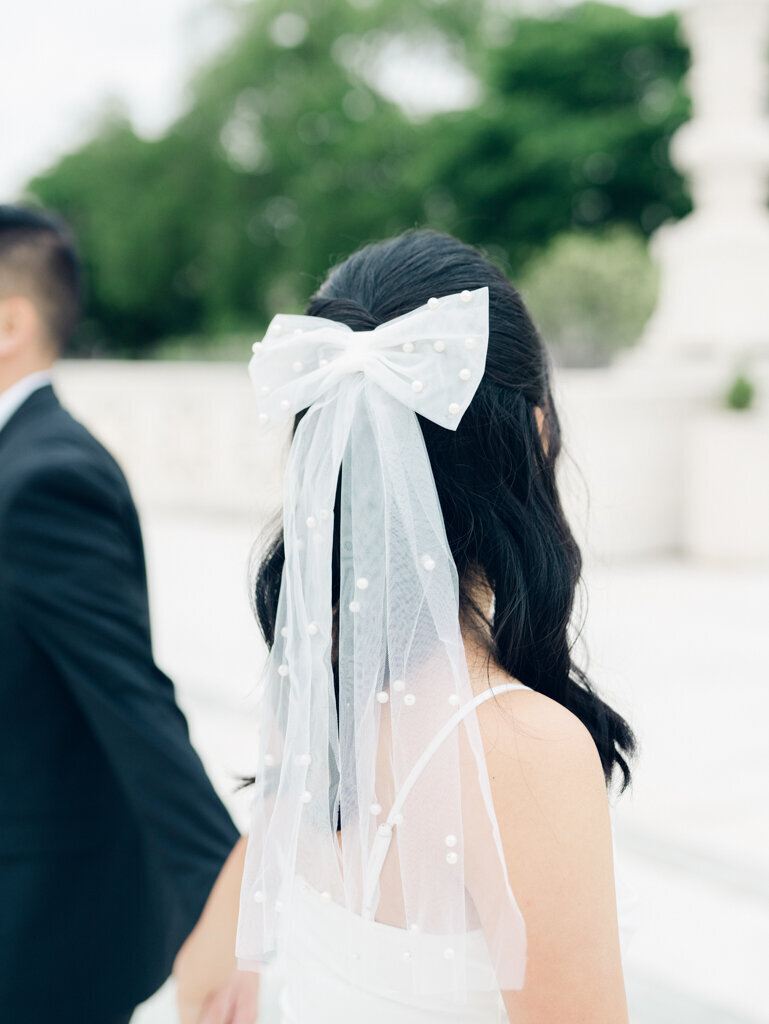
(431, 837)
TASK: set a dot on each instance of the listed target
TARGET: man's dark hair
(38, 259)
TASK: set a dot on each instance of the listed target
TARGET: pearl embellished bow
(431, 359)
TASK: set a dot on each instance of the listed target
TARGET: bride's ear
(541, 420)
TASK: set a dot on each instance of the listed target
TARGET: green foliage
(288, 157)
(572, 132)
(128, 203)
(591, 294)
(741, 394)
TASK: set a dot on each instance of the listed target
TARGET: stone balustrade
(186, 435)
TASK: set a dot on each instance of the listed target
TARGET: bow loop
(431, 359)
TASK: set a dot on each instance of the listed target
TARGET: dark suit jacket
(111, 835)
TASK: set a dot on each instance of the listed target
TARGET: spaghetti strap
(383, 837)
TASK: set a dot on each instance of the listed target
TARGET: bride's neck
(476, 634)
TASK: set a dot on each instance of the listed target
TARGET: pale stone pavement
(680, 649)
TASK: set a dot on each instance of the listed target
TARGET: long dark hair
(495, 476)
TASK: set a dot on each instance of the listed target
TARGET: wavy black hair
(495, 476)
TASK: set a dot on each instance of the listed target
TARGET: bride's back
(532, 744)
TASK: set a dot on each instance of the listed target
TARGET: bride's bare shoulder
(530, 737)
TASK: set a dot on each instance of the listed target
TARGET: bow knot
(356, 354)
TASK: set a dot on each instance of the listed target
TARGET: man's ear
(19, 322)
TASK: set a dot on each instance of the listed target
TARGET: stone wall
(186, 436)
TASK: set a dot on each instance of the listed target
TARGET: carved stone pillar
(714, 287)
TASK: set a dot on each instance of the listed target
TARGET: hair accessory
(382, 749)
(302, 358)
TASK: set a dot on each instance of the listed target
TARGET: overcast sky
(63, 61)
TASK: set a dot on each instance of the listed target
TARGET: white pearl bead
(284, 631)
(269, 760)
(285, 405)
(465, 296)
(417, 386)
(414, 928)
(325, 897)
(432, 303)
(354, 606)
(313, 629)
(322, 362)
(277, 329)
(469, 342)
(306, 796)
(264, 389)
(451, 858)
(312, 522)
(398, 819)
(450, 841)
(375, 809)
(454, 409)
(408, 346)
(303, 759)
(383, 697)
(258, 896)
(297, 367)
(263, 417)
(399, 686)
(465, 374)
(410, 700)
(283, 670)
(448, 954)
(362, 583)
(428, 562)
(439, 346)
(454, 700)
(256, 346)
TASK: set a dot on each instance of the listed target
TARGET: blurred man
(111, 835)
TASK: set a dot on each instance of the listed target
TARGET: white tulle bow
(346, 801)
(431, 360)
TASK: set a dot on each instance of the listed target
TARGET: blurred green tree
(290, 154)
(572, 132)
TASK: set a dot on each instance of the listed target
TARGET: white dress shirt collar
(16, 395)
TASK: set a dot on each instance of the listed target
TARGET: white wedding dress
(330, 980)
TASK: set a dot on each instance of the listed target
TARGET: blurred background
(216, 157)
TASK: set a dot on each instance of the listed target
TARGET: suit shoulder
(79, 437)
(62, 449)
(64, 470)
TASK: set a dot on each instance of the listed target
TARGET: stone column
(714, 288)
